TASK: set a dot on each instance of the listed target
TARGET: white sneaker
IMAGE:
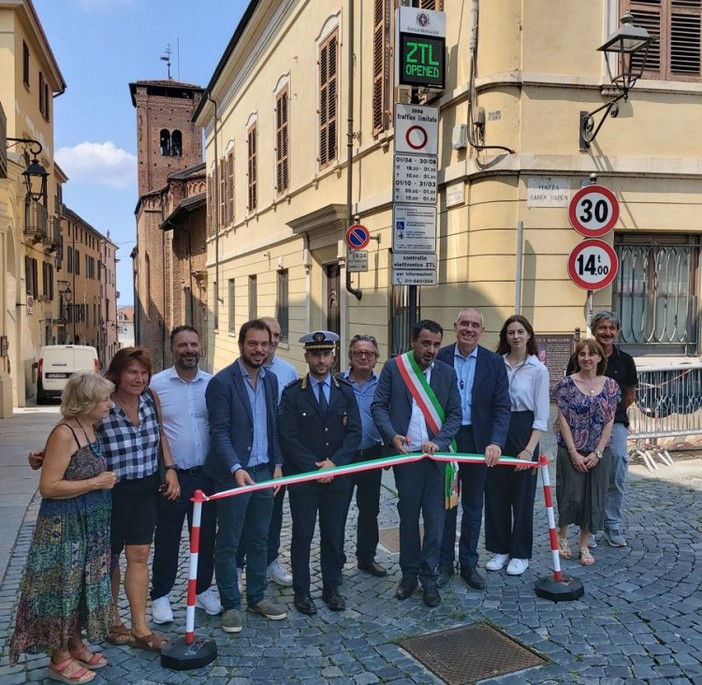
(209, 601)
(278, 574)
(517, 566)
(498, 562)
(161, 611)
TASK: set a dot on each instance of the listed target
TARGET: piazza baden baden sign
(421, 48)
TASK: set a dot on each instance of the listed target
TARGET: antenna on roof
(167, 59)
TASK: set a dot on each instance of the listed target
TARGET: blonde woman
(65, 588)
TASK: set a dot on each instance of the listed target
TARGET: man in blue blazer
(242, 407)
(485, 408)
(420, 485)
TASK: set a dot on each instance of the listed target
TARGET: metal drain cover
(468, 654)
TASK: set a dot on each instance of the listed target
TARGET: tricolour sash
(434, 415)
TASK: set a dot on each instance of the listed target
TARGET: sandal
(150, 642)
(94, 660)
(586, 558)
(119, 635)
(81, 675)
(564, 549)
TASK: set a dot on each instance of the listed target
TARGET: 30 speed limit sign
(593, 211)
(593, 264)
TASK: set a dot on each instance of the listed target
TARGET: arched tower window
(165, 143)
(177, 143)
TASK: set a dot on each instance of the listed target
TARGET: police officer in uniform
(320, 427)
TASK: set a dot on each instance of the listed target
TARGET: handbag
(162, 468)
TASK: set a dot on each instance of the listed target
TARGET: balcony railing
(55, 241)
(36, 220)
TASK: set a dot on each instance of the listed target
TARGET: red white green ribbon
(361, 466)
(428, 403)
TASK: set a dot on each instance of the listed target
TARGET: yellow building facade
(29, 231)
(300, 80)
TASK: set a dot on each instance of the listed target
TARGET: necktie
(322, 398)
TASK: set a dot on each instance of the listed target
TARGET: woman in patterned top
(586, 401)
(131, 435)
(66, 583)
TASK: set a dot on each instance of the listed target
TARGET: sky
(101, 46)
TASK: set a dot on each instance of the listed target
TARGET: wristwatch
(597, 453)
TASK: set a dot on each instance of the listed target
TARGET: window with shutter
(676, 25)
(381, 69)
(210, 205)
(281, 141)
(230, 186)
(328, 99)
(252, 166)
(222, 192)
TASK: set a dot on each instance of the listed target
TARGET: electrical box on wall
(459, 137)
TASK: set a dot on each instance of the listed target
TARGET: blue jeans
(614, 503)
(250, 512)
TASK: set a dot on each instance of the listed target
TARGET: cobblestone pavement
(640, 620)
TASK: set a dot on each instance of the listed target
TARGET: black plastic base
(180, 656)
(567, 590)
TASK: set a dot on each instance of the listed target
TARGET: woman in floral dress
(586, 401)
(66, 583)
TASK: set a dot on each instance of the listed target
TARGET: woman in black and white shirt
(509, 491)
(131, 436)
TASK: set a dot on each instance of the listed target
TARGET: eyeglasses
(363, 353)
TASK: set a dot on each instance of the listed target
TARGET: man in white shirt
(181, 390)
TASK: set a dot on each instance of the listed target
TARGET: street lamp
(68, 297)
(627, 48)
(35, 175)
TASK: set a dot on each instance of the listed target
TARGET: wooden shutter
(328, 65)
(381, 21)
(281, 142)
(230, 186)
(251, 139)
(222, 192)
(676, 27)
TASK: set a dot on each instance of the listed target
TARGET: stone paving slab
(640, 620)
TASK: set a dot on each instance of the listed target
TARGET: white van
(57, 363)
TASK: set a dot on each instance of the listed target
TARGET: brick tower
(167, 142)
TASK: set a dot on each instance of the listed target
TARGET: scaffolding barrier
(667, 413)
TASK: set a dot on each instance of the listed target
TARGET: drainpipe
(349, 150)
(215, 216)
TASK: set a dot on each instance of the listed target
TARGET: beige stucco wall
(537, 68)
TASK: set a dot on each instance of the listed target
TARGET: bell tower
(167, 139)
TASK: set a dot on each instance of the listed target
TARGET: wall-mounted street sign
(593, 264)
(416, 129)
(357, 261)
(414, 228)
(420, 46)
(357, 237)
(593, 211)
(415, 179)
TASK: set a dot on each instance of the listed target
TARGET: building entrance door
(333, 274)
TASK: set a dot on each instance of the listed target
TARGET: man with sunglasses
(363, 356)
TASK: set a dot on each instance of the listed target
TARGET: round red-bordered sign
(593, 264)
(357, 237)
(416, 137)
(593, 211)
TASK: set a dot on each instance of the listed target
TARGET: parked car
(57, 363)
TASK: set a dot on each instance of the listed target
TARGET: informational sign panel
(415, 179)
(413, 269)
(593, 264)
(420, 46)
(593, 211)
(416, 129)
(357, 261)
(414, 228)
(555, 351)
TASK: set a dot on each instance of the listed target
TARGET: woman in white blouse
(509, 491)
